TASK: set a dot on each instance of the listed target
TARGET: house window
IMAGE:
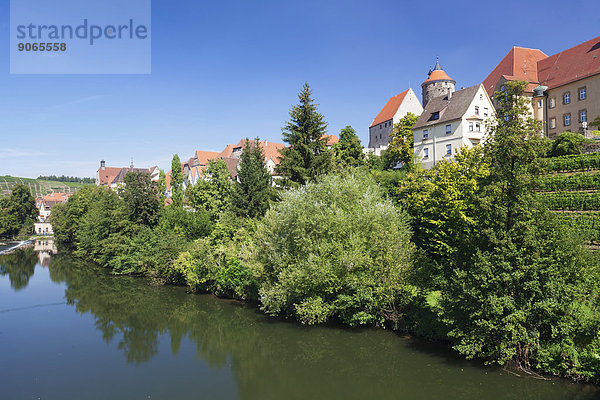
(552, 123)
(582, 93)
(448, 129)
(567, 98)
(448, 149)
(567, 119)
(552, 103)
(485, 111)
(435, 116)
(476, 110)
(477, 127)
(426, 153)
(480, 97)
(583, 116)
(380, 126)
(539, 104)
(470, 127)
(425, 134)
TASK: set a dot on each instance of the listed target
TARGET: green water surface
(69, 330)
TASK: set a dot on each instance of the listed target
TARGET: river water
(69, 330)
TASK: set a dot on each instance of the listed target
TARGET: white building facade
(394, 110)
(450, 122)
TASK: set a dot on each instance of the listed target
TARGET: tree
(141, 198)
(567, 143)
(162, 187)
(400, 150)
(307, 155)
(18, 212)
(335, 248)
(213, 192)
(522, 289)
(349, 151)
(176, 182)
(251, 193)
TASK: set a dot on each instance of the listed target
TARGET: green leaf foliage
(17, 212)
(348, 151)
(400, 150)
(252, 191)
(307, 155)
(335, 248)
(176, 181)
(567, 143)
(213, 192)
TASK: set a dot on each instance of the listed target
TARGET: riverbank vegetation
(17, 213)
(467, 252)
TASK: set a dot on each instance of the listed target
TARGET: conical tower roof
(438, 74)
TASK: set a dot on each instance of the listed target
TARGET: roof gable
(447, 109)
(518, 64)
(571, 65)
(389, 110)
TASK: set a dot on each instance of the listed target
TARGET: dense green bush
(567, 143)
(335, 248)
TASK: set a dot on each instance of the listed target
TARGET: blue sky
(226, 70)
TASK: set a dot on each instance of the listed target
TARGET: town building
(383, 124)
(113, 177)
(450, 121)
(45, 203)
(564, 87)
(194, 168)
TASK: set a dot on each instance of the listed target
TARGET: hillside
(571, 188)
(38, 187)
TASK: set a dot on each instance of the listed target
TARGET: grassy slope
(37, 187)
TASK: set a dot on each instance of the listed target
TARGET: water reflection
(19, 266)
(45, 250)
(271, 359)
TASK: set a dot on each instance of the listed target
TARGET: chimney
(102, 165)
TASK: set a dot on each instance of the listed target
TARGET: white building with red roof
(396, 108)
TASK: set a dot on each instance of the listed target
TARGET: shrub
(335, 248)
(567, 143)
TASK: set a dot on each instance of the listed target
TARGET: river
(69, 330)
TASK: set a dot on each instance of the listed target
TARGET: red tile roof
(205, 156)
(107, 175)
(331, 139)
(389, 110)
(570, 65)
(519, 64)
(60, 197)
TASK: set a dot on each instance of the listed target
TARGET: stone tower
(437, 84)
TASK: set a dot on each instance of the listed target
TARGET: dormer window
(435, 116)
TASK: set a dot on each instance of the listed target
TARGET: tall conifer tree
(176, 181)
(252, 191)
(307, 155)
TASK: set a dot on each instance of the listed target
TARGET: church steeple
(437, 84)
